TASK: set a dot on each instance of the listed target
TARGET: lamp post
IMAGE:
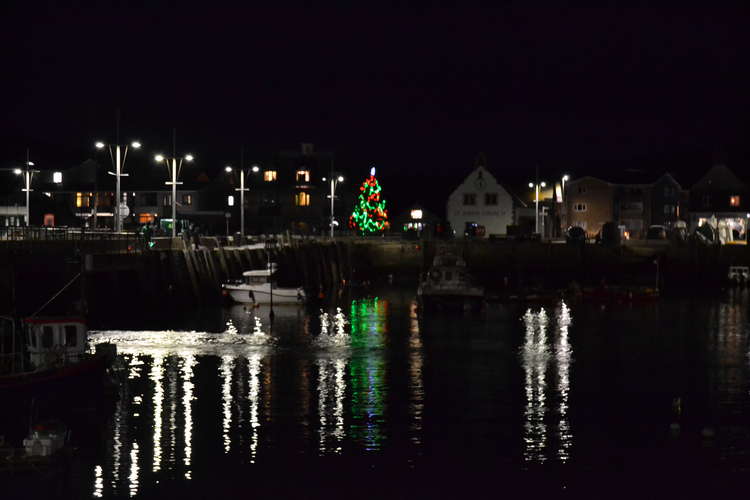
(173, 164)
(28, 174)
(565, 178)
(254, 169)
(118, 157)
(536, 187)
(335, 180)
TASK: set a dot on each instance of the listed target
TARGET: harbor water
(366, 397)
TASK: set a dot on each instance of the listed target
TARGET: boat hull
(450, 301)
(74, 376)
(244, 294)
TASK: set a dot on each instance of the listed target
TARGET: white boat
(258, 288)
(448, 284)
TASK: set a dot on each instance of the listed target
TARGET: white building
(480, 200)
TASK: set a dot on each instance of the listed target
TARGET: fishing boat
(449, 285)
(258, 287)
(52, 356)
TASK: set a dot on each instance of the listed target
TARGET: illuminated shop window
(145, 218)
(302, 199)
(303, 176)
(269, 175)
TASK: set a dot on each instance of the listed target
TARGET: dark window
(581, 189)
(706, 200)
(448, 275)
(32, 338)
(149, 199)
(490, 198)
(71, 335)
(47, 336)
(470, 199)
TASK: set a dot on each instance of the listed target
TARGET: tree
(370, 215)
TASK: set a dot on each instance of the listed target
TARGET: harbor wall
(130, 280)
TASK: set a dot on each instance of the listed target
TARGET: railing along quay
(37, 238)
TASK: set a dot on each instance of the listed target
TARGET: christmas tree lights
(370, 215)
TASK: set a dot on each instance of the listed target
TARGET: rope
(55, 295)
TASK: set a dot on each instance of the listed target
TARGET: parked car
(575, 235)
(610, 235)
(656, 233)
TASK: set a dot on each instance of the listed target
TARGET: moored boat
(52, 357)
(259, 287)
(449, 285)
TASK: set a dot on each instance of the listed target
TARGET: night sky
(418, 93)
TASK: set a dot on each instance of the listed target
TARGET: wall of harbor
(125, 279)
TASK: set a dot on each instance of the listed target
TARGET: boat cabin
(259, 276)
(54, 341)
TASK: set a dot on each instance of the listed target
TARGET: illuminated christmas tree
(370, 215)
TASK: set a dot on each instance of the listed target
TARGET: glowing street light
(536, 187)
(334, 182)
(28, 174)
(118, 157)
(254, 169)
(174, 165)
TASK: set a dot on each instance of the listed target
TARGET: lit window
(302, 176)
(187, 199)
(734, 201)
(230, 200)
(302, 199)
(490, 198)
(269, 175)
(416, 214)
(470, 199)
(57, 177)
(83, 200)
(167, 200)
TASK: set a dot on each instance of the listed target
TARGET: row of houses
(630, 199)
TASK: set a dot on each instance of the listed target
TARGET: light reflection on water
(365, 379)
(536, 358)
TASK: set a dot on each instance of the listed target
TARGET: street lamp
(536, 187)
(27, 173)
(174, 165)
(254, 169)
(118, 157)
(565, 178)
(334, 182)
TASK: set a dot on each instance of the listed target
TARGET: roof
(719, 178)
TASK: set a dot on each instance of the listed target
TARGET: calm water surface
(370, 398)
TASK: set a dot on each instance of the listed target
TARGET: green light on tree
(370, 215)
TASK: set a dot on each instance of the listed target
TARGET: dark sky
(416, 92)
